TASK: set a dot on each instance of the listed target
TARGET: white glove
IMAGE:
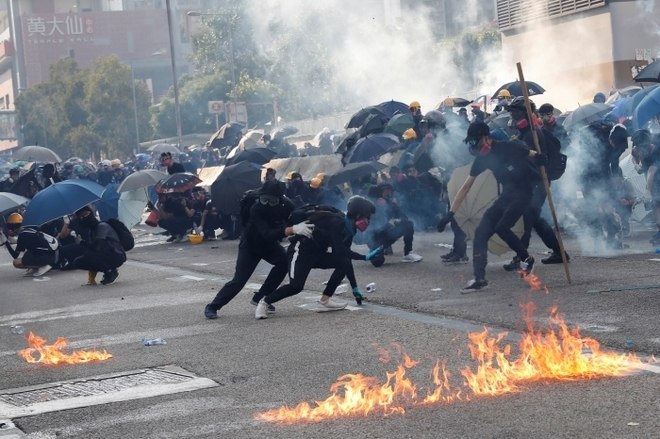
(198, 230)
(305, 229)
(3, 238)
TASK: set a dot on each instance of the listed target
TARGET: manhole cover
(123, 386)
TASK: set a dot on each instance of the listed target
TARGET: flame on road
(40, 352)
(556, 353)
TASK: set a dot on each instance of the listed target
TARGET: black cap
(273, 188)
(546, 109)
(476, 130)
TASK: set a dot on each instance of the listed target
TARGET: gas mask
(362, 224)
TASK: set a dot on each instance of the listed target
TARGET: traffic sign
(216, 107)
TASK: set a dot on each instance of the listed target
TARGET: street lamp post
(177, 108)
(135, 109)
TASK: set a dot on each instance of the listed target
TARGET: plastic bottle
(630, 343)
(153, 341)
(371, 287)
(17, 329)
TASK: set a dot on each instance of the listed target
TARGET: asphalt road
(295, 356)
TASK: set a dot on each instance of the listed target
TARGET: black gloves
(444, 221)
(541, 159)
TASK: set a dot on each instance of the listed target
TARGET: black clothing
(176, 168)
(37, 251)
(533, 220)
(388, 225)
(103, 253)
(509, 161)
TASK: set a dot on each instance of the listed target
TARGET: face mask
(89, 221)
(269, 200)
(522, 124)
(362, 224)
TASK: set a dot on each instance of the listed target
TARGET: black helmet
(517, 103)
(641, 137)
(435, 119)
(273, 188)
(359, 207)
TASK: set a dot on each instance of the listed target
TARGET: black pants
(99, 261)
(534, 221)
(460, 239)
(246, 262)
(68, 254)
(499, 219)
(176, 225)
(303, 257)
(392, 232)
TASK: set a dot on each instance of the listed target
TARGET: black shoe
(513, 265)
(109, 277)
(210, 313)
(555, 258)
(475, 285)
(172, 238)
(269, 308)
(447, 256)
(527, 266)
(456, 259)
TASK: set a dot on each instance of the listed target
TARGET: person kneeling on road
(39, 250)
(334, 231)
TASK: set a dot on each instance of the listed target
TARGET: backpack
(125, 236)
(247, 201)
(556, 160)
(313, 212)
(47, 243)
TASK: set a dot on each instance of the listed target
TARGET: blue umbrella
(371, 147)
(60, 199)
(390, 108)
(620, 108)
(647, 108)
(108, 207)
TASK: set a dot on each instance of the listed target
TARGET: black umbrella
(347, 143)
(453, 102)
(283, 132)
(360, 117)
(227, 135)
(231, 184)
(390, 108)
(374, 123)
(354, 171)
(259, 156)
(371, 147)
(514, 88)
(650, 73)
(179, 182)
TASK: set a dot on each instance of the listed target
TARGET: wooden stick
(544, 175)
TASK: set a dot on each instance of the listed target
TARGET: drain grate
(123, 386)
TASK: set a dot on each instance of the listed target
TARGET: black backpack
(556, 160)
(312, 212)
(125, 236)
(247, 201)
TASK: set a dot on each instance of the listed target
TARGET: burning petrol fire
(40, 352)
(533, 281)
(557, 353)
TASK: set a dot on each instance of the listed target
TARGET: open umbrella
(371, 147)
(358, 118)
(10, 202)
(60, 199)
(283, 132)
(36, 153)
(231, 184)
(374, 123)
(259, 156)
(131, 206)
(227, 135)
(354, 171)
(108, 204)
(585, 114)
(390, 108)
(399, 123)
(634, 101)
(647, 109)
(453, 102)
(623, 93)
(515, 89)
(141, 179)
(179, 182)
(650, 73)
(481, 196)
(160, 148)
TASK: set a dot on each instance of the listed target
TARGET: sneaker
(262, 310)
(555, 258)
(475, 285)
(30, 272)
(447, 256)
(210, 313)
(172, 238)
(269, 308)
(411, 257)
(331, 305)
(109, 277)
(527, 266)
(42, 270)
(513, 265)
(456, 259)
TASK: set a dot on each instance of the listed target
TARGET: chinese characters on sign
(55, 29)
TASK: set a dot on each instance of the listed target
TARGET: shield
(357, 120)
(481, 196)
(227, 135)
(371, 147)
(160, 148)
(647, 109)
(255, 155)
(60, 199)
(36, 154)
(390, 108)
(131, 206)
(453, 102)
(354, 171)
(586, 114)
(231, 184)
(516, 90)
(650, 73)
(10, 202)
(399, 123)
(141, 179)
(179, 182)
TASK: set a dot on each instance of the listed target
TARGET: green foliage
(468, 50)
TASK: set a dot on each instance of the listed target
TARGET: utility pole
(177, 107)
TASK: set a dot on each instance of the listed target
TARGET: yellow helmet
(289, 175)
(415, 105)
(409, 134)
(315, 183)
(321, 176)
(504, 94)
(15, 218)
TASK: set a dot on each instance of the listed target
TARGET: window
(514, 13)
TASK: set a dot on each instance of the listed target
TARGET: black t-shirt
(510, 163)
(176, 168)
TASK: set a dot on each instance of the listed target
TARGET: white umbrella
(131, 207)
(36, 153)
(141, 179)
(163, 147)
(9, 201)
